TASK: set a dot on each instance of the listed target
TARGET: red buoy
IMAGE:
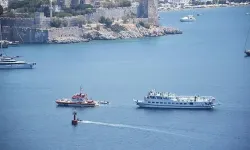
(74, 121)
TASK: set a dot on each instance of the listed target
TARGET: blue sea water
(207, 59)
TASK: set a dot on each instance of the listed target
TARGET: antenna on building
(50, 8)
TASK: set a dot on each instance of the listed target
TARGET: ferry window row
(168, 103)
(156, 97)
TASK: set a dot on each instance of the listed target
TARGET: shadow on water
(75, 108)
(174, 109)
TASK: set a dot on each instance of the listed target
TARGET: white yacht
(169, 100)
(188, 18)
(7, 62)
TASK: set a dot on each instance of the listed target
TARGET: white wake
(133, 127)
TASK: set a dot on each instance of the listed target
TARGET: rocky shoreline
(116, 31)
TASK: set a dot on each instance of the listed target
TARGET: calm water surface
(207, 59)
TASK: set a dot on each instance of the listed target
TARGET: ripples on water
(207, 59)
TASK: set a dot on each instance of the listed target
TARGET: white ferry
(169, 100)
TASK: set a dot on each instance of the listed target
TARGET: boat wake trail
(133, 127)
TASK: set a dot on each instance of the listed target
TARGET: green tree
(64, 23)
(145, 25)
(102, 19)
(62, 14)
(56, 22)
(80, 21)
(208, 3)
(1, 9)
(84, 6)
(108, 22)
(125, 3)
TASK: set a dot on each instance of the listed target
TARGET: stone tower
(74, 3)
(149, 9)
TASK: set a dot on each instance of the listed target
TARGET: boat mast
(80, 89)
(1, 35)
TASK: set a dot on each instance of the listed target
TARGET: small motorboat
(189, 18)
(103, 102)
(14, 43)
(247, 52)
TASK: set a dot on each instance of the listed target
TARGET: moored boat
(247, 52)
(77, 100)
(169, 100)
(188, 18)
(7, 62)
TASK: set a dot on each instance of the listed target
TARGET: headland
(83, 22)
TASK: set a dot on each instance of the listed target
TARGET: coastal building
(64, 3)
(185, 2)
(4, 3)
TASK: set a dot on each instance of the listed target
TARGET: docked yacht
(188, 18)
(7, 62)
(169, 100)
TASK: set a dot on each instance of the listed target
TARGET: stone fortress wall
(37, 30)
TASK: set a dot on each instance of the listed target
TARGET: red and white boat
(77, 100)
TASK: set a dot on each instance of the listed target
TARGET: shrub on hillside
(117, 28)
(145, 25)
(1, 9)
(64, 23)
(56, 22)
(107, 21)
(124, 3)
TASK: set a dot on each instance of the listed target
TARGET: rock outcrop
(117, 31)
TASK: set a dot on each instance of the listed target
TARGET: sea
(207, 59)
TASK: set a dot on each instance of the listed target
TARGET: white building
(185, 2)
(4, 3)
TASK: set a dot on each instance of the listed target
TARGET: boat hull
(17, 66)
(247, 53)
(186, 20)
(169, 106)
(76, 104)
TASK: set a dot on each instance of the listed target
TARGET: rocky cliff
(116, 31)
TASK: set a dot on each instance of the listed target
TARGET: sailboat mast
(247, 38)
(1, 33)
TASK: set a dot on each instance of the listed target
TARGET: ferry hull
(17, 66)
(76, 105)
(145, 105)
(186, 20)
